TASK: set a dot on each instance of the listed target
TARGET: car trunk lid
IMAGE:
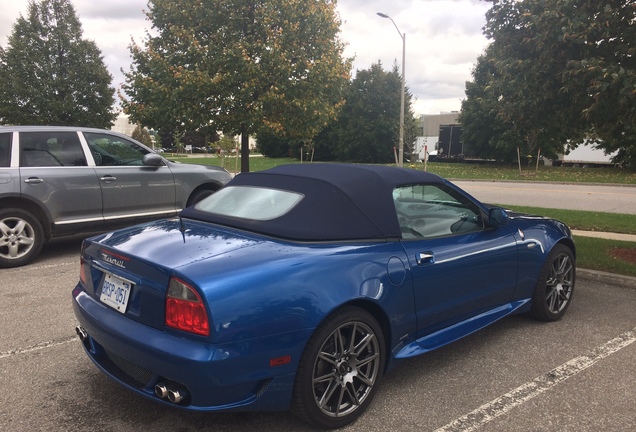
(132, 276)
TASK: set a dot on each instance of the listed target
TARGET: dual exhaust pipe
(175, 393)
(81, 333)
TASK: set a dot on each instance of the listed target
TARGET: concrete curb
(605, 235)
(609, 278)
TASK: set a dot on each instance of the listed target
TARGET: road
(611, 198)
(573, 375)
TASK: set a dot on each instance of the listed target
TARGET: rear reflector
(185, 310)
(279, 361)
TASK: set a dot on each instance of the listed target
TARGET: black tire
(21, 237)
(553, 293)
(198, 196)
(340, 370)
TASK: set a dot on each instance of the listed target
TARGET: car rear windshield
(249, 202)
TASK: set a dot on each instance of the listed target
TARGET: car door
(54, 173)
(460, 267)
(130, 188)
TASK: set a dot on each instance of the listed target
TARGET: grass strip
(597, 254)
(585, 220)
(471, 171)
(544, 173)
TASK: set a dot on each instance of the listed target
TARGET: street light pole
(403, 36)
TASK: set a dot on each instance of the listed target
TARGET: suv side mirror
(152, 159)
(498, 216)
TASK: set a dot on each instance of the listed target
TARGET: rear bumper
(232, 376)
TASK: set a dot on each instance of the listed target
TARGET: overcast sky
(443, 39)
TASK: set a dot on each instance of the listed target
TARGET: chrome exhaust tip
(161, 390)
(177, 395)
(81, 333)
(174, 392)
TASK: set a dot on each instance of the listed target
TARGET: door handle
(108, 178)
(33, 180)
(425, 258)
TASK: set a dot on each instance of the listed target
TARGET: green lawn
(585, 220)
(233, 164)
(544, 173)
(595, 254)
(457, 170)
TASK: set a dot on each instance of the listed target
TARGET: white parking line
(539, 385)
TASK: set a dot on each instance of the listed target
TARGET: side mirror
(152, 159)
(498, 217)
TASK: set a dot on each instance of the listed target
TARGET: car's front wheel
(21, 237)
(340, 370)
(555, 286)
(198, 196)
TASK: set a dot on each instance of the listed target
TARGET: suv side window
(427, 211)
(5, 150)
(112, 150)
(50, 149)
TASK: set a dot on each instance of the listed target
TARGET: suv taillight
(185, 310)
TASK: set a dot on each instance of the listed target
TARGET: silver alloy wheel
(559, 284)
(346, 368)
(17, 238)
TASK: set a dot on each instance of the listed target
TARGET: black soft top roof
(341, 201)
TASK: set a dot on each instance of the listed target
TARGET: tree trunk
(245, 150)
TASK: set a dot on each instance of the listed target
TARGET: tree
(240, 67)
(171, 139)
(272, 145)
(367, 129)
(604, 36)
(226, 144)
(142, 135)
(558, 71)
(489, 138)
(49, 75)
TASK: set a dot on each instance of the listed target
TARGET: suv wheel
(21, 237)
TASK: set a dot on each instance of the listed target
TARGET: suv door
(130, 188)
(54, 173)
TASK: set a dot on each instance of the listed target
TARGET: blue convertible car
(300, 286)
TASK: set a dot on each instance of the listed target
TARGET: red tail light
(185, 310)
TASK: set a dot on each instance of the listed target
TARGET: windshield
(250, 202)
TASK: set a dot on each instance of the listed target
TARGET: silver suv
(57, 181)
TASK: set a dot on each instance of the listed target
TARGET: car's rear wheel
(553, 293)
(21, 237)
(340, 370)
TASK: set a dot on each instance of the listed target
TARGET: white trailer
(422, 145)
(585, 155)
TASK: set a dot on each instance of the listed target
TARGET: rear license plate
(115, 292)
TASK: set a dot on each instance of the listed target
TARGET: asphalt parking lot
(577, 374)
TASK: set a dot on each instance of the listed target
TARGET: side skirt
(457, 331)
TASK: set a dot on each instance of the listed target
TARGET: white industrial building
(122, 125)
